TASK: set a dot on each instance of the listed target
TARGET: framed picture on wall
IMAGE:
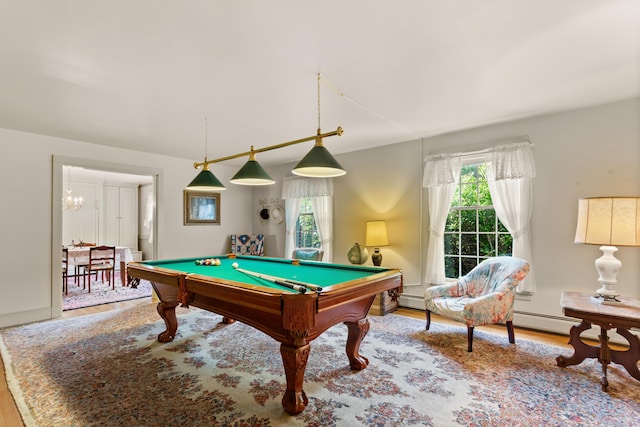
(201, 208)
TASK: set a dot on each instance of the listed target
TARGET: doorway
(95, 182)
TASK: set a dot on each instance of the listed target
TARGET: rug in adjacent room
(102, 293)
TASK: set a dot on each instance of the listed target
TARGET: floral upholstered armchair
(483, 297)
(245, 244)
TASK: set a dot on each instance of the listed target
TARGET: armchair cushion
(483, 296)
(309, 254)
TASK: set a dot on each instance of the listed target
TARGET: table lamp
(376, 236)
(610, 222)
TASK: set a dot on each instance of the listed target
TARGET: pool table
(292, 317)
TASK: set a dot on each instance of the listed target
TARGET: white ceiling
(143, 74)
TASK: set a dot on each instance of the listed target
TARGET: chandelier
(69, 202)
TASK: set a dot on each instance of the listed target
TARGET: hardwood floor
(10, 417)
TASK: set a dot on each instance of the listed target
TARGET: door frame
(56, 212)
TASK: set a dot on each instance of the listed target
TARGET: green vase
(357, 254)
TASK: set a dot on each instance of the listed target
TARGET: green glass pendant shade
(319, 163)
(206, 181)
(252, 173)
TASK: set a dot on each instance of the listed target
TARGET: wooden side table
(621, 316)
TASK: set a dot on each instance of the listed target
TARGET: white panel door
(121, 216)
(128, 217)
(111, 216)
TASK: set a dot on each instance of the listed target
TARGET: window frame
(306, 209)
(497, 231)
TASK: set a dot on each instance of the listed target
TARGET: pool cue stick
(310, 286)
(293, 286)
(305, 284)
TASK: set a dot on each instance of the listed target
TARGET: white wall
(581, 153)
(29, 292)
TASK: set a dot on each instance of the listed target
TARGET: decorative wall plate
(277, 214)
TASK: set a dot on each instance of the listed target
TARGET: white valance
(299, 188)
(512, 161)
(509, 161)
(441, 169)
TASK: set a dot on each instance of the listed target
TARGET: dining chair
(101, 259)
(65, 270)
(80, 267)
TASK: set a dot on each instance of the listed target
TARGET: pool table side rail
(153, 272)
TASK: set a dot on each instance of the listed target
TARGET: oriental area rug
(102, 293)
(108, 369)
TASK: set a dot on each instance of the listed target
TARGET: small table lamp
(376, 236)
(610, 222)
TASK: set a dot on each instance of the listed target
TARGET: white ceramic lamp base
(608, 267)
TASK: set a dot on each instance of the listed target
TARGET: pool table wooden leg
(295, 362)
(357, 331)
(167, 310)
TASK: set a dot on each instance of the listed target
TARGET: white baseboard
(23, 317)
(536, 321)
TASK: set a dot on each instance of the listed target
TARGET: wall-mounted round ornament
(277, 214)
(357, 254)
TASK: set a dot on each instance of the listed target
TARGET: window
(473, 231)
(306, 229)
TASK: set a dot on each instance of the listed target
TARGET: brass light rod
(317, 137)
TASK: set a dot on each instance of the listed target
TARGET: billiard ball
(235, 265)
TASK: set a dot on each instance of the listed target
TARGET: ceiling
(144, 74)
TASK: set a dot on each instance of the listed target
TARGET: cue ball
(234, 265)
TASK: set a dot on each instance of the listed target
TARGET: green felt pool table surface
(318, 273)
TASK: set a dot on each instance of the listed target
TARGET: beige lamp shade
(376, 234)
(612, 221)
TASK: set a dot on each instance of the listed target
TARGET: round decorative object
(264, 213)
(277, 215)
(357, 255)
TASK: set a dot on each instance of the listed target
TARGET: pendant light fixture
(205, 180)
(252, 173)
(319, 163)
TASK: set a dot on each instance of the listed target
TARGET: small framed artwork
(201, 207)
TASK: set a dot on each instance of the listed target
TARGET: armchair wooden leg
(470, 338)
(512, 337)
(428, 320)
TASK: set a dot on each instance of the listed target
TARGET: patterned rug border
(13, 386)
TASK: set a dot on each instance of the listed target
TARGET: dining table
(80, 254)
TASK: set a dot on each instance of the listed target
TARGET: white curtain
(322, 212)
(320, 191)
(510, 176)
(511, 172)
(441, 175)
(291, 212)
